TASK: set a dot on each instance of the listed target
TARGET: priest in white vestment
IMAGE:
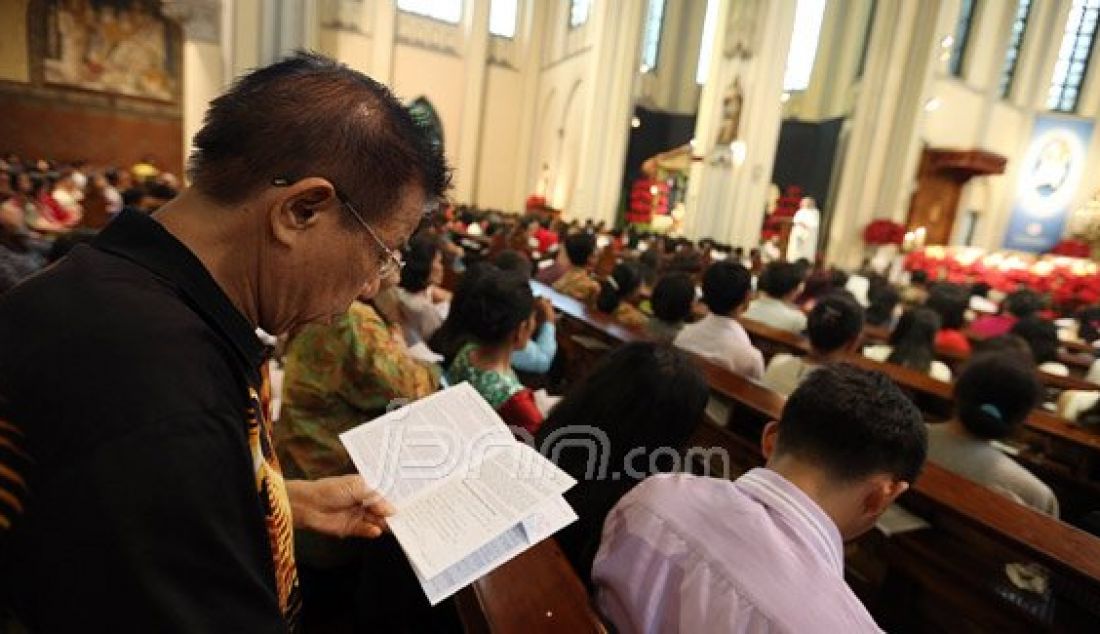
(805, 226)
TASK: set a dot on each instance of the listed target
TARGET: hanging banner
(1049, 177)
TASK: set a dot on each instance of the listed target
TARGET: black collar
(145, 242)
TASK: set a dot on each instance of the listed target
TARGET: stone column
(476, 53)
(203, 62)
(727, 190)
(878, 171)
(383, 32)
(609, 102)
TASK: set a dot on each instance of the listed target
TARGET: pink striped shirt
(683, 553)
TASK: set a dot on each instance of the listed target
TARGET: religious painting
(124, 47)
(1049, 177)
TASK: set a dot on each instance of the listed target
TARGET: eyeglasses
(389, 261)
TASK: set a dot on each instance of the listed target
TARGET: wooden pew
(1065, 455)
(534, 593)
(949, 577)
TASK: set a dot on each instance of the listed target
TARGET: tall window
(962, 36)
(1012, 55)
(449, 11)
(578, 12)
(651, 39)
(702, 69)
(502, 18)
(807, 32)
(1073, 56)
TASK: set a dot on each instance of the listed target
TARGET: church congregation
(802, 296)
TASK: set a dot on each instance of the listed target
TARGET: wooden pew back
(1065, 455)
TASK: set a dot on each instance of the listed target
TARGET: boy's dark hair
(1023, 303)
(308, 115)
(995, 393)
(642, 399)
(780, 279)
(132, 196)
(672, 298)
(884, 299)
(918, 277)
(838, 278)
(625, 278)
(1040, 335)
(512, 260)
(580, 247)
(726, 285)
(836, 320)
(914, 339)
(497, 304)
(853, 423)
(950, 302)
(418, 255)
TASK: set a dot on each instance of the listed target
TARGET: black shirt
(151, 501)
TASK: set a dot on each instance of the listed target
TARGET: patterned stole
(272, 491)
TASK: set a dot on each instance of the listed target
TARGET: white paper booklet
(468, 495)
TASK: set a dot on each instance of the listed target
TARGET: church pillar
(727, 190)
(383, 30)
(878, 171)
(469, 137)
(203, 59)
(608, 107)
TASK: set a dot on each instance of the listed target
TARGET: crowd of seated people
(42, 200)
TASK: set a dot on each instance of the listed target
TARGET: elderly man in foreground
(140, 490)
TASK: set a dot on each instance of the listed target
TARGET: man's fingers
(367, 497)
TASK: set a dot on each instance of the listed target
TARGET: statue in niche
(732, 103)
(730, 126)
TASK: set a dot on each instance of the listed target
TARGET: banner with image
(1048, 180)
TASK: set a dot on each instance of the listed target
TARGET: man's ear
(768, 439)
(300, 206)
(882, 493)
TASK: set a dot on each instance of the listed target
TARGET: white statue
(804, 229)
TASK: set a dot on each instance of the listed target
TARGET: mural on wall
(124, 47)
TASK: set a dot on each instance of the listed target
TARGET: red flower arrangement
(1070, 284)
(1072, 247)
(535, 202)
(880, 232)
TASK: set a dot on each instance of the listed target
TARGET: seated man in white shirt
(718, 337)
(780, 283)
(835, 329)
(764, 553)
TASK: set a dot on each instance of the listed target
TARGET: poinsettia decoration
(1071, 247)
(1071, 282)
(882, 231)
